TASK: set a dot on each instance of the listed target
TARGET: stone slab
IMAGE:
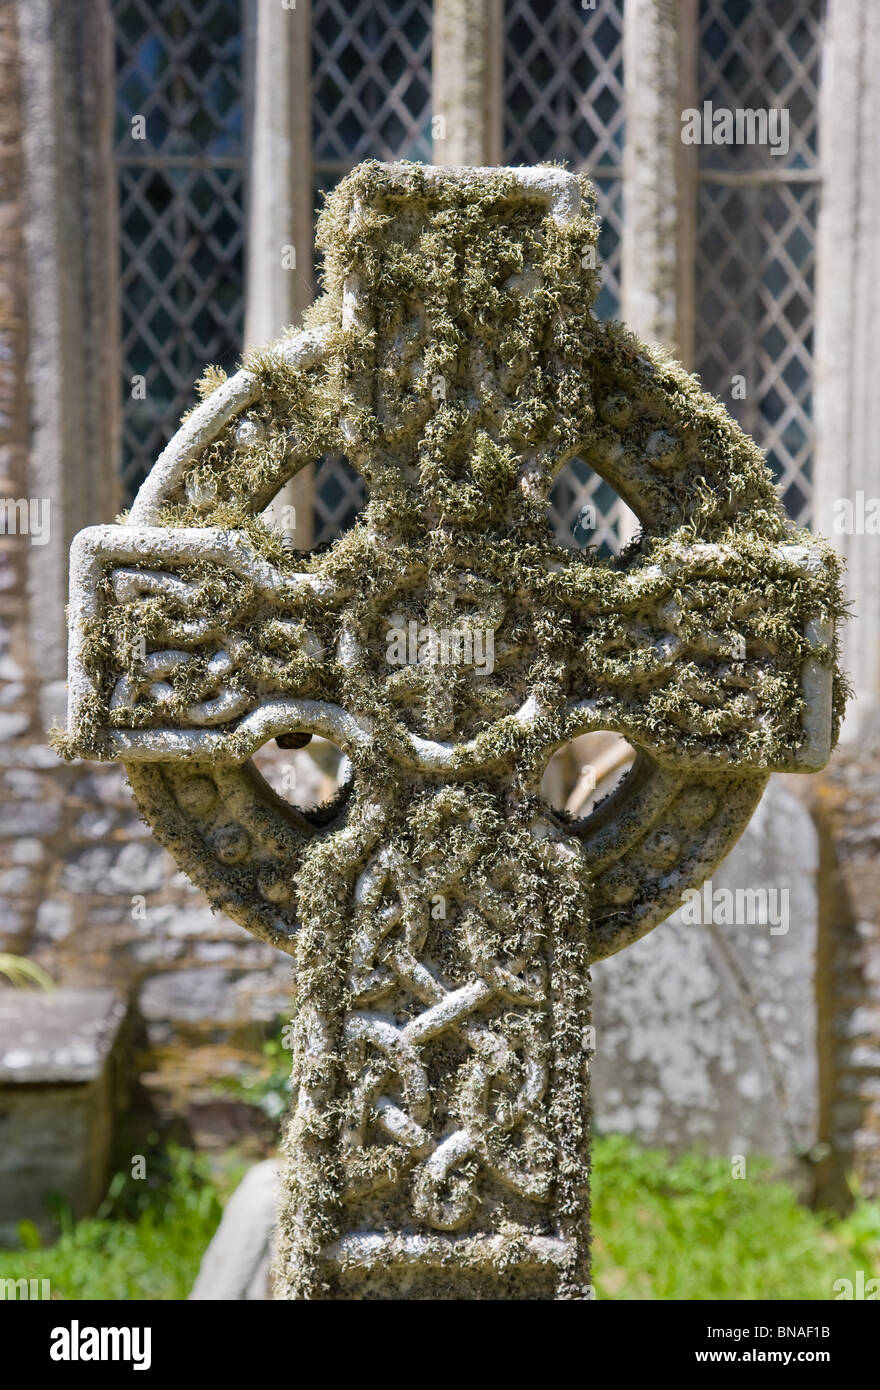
(57, 1102)
(706, 1034)
(64, 1036)
(237, 1262)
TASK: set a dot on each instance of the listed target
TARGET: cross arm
(709, 655)
(187, 642)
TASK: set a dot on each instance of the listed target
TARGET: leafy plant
(147, 1241)
(266, 1084)
(21, 972)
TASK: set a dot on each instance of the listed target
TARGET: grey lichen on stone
(442, 916)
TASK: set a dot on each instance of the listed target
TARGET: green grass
(146, 1241)
(683, 1228)
(663, 1228)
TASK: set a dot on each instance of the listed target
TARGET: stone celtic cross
(441, 915)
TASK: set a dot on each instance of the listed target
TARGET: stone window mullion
(847, 410)
(467, 43)
(279, 197)
(659, 173)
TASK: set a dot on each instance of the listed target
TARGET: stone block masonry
(59, 1100)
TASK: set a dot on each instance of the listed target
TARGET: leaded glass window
(371, 99)
(179, 151)
(756, 230)
(563, 99)
(371, 83)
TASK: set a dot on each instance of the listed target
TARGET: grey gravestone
(57, 1091)
(706, 1030)
(238, 1260)
(442, 918)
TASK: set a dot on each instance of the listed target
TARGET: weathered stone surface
(236, 1264)
(13, 725)
(57, 1092)
(126, 868)
(217, 995)
(30, 818)
(846, 803)
(62, 1036)
(442, 917)
(706, 1034)
(54, 920)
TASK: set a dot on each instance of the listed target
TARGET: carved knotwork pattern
(446, 1040)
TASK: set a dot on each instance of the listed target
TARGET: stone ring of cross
(443, 916)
